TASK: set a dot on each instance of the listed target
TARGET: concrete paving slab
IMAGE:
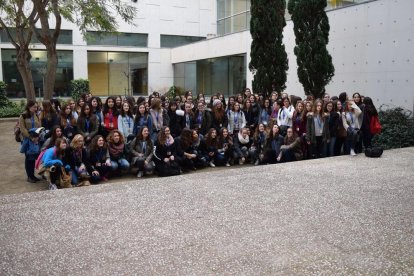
(343, 215)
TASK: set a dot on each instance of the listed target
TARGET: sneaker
(31, 180)
(211, 164)
(353, 152)
(140, 174)
(256, 163)
(227, 164)
(52, 186)
(241, 161)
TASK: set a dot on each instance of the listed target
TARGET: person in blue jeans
(116, 147)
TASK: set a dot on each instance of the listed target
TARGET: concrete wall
(372, 46)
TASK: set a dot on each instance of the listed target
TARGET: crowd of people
(93, 140)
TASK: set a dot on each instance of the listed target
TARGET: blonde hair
(75, 141)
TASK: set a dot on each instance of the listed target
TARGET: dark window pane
(171, 41)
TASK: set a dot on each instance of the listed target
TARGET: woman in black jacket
(166, 154)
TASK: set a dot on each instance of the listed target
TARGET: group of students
(93, 141)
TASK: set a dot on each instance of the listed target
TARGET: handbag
(375, 125)
(374, 152)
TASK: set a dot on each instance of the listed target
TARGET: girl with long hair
(117, 152)
(68, 121)
(55, 133)
(187, 157)
(142, 119)
(77, 158)
(351, 122)
(126, 122)
(274, 141)
(243, 146)
(225, 145)
(265, 111)
(159, 118)
(53, 161)
(333, 122)
(141, 151)
(29, 120)
(237, 120)
(291, 150)
(317, 130)
(218, 115)
(175, 119)
(210, 146)
(99, 159)
(285, 115)
(259, 141)
(88, 124)
(110, 116)
(166, 153)
(340, 131)
(48, 116)
(368, 114)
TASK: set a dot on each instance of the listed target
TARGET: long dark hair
(29, 104)
(370, 107)
(186, 138)
(93, 147)
(57, 145)
(106, 108)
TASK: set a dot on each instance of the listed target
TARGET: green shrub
(4, 101)
(174, 91)
(397, 129)
(77, 87)
(11, 111)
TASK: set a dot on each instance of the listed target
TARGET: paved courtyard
(338, 215)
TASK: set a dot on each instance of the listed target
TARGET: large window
(232, 16)
(171, 41)
(117, 39)
(15, 87)
(65, 36)
(224, 74)
(118, 73)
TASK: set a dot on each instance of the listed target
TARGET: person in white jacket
(351, 122)
(285, 115)
(237, 121)
(126, 122)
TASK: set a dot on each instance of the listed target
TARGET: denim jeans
(122, 163)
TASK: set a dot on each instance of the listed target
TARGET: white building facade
(371, 43)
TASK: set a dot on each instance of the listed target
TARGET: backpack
(373, 152)
(17, 132)
(39, 159)
(375, 125)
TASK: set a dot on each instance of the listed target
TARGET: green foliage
(174, 91)
(13, 110)
(311, 27)
(77, 87)
(7, 107)
(397, 129)
(269, 61)
(4, 101)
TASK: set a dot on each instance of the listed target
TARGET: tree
(311, 27)
(269, 61)
(27, 16)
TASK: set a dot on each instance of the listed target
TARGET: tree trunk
(50, 76)
(23, 65)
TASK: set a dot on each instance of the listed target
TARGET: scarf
(116, 150)
(243, 140)
(157, 120)
(169, 141)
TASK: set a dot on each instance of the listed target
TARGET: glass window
(65, 36)
(118, 73)
(15, 87)
(171, 41)
(224, 74)
(117, 39)
(239, 22)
